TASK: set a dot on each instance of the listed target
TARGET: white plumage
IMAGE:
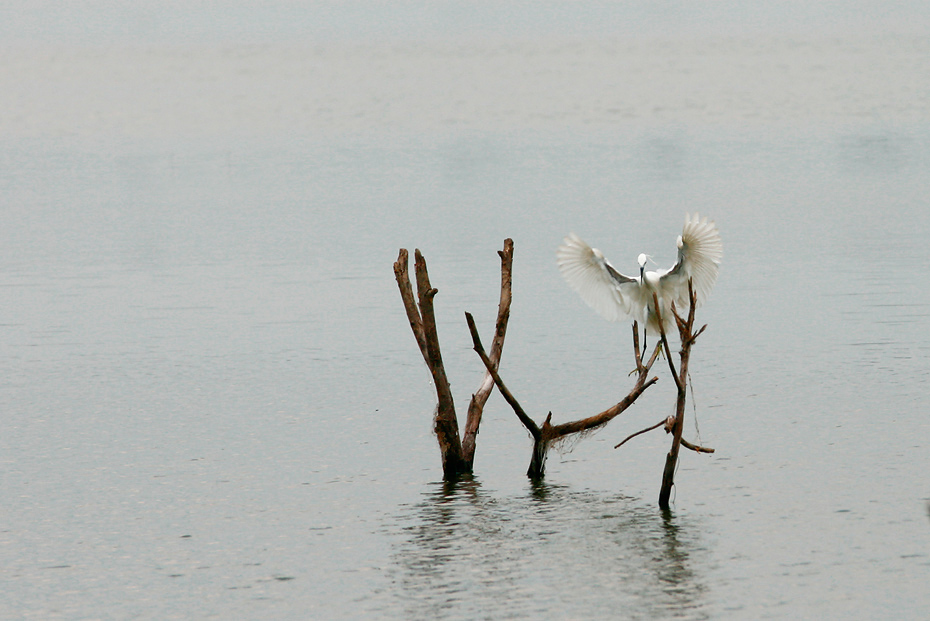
(616, 297)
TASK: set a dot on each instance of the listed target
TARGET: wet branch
(480, 398)
(642, 431)
(524, 418)
(457, 456)
(545, 435)
(696, 448)
(676, 424)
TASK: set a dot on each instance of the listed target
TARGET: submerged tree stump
(675, 424)
(681, 382)
(457, 454)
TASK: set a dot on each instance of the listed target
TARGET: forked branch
(457, 456)
(687, 337)
(491, 368)
(675, 424)
(545, 435)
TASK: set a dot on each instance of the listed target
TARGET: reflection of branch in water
(450, 554)
(676, 572)
(552, 551)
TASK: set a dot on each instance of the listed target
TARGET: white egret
(616, 297)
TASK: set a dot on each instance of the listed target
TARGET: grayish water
(212, 404)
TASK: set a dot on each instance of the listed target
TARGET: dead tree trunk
(457, 456)
(675, 425)
(681, 382)
(544, 436)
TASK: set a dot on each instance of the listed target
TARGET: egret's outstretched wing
(699, 253)
(597, 282)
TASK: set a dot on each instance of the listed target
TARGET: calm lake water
(213, 406)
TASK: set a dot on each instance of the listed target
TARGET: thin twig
(528, 422)
(697, 334)
(668, 349)
(696, 448)
(633, 435)
(678, 320)
(692, 301)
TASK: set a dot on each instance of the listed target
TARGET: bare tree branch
(601, 419)
(457, 455)
(480, 398)
(544, 435)
(422, 320)
(410, 301)
(695, 448)
(445, 422)
(664, 339)
(642, 431)
(528, 422)
(698, 333)
(687, 338)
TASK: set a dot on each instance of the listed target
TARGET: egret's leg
(643, 359)
(646, 329)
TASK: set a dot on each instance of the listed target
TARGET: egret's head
(642, 265)
(679, 243)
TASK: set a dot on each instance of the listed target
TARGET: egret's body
(616, 296)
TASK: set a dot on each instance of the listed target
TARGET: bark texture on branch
(457, 456)
(687, 337)
(480, 398)
(675, 424)
(543, 436)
